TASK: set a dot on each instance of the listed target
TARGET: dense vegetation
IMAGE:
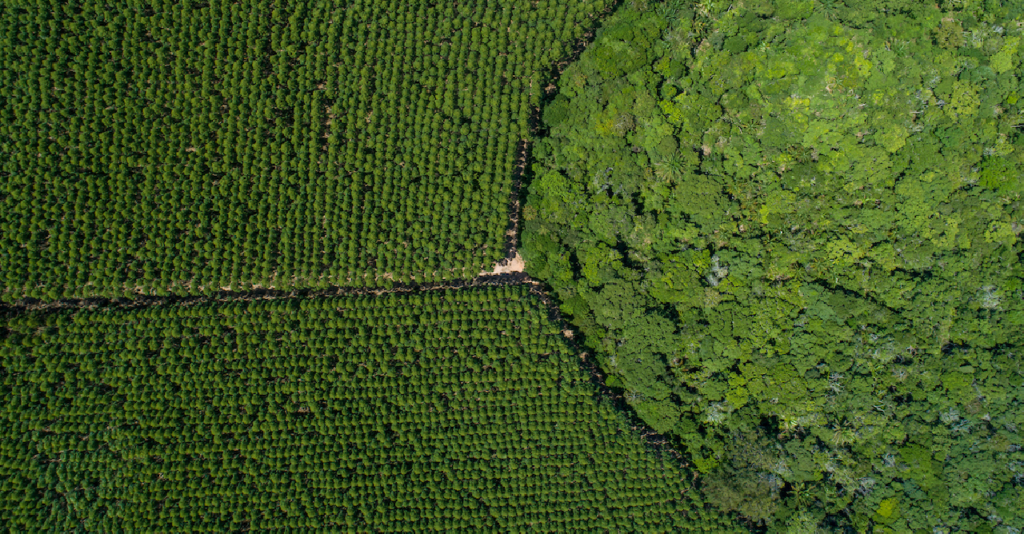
(178, 147)
(426, 412)
(790, 230)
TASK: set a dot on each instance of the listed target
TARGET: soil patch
(515, 264)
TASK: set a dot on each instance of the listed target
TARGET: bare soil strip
(506, 266)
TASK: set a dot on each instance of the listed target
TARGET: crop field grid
(427, 412)
(184, 147)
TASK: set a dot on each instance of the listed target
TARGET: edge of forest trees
(522, 171)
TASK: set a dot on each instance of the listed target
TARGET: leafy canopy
(794, 228)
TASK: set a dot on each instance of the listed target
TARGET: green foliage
(440, 411)
(807, 238)
(755, 498)
(186, 147)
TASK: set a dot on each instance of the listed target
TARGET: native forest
(727, 266)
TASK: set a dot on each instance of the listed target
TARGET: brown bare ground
(505, 266)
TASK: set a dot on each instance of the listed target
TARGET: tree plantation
(425, 412)
(791, 231)
(180, 147)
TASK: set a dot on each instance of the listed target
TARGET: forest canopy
(791, 232)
